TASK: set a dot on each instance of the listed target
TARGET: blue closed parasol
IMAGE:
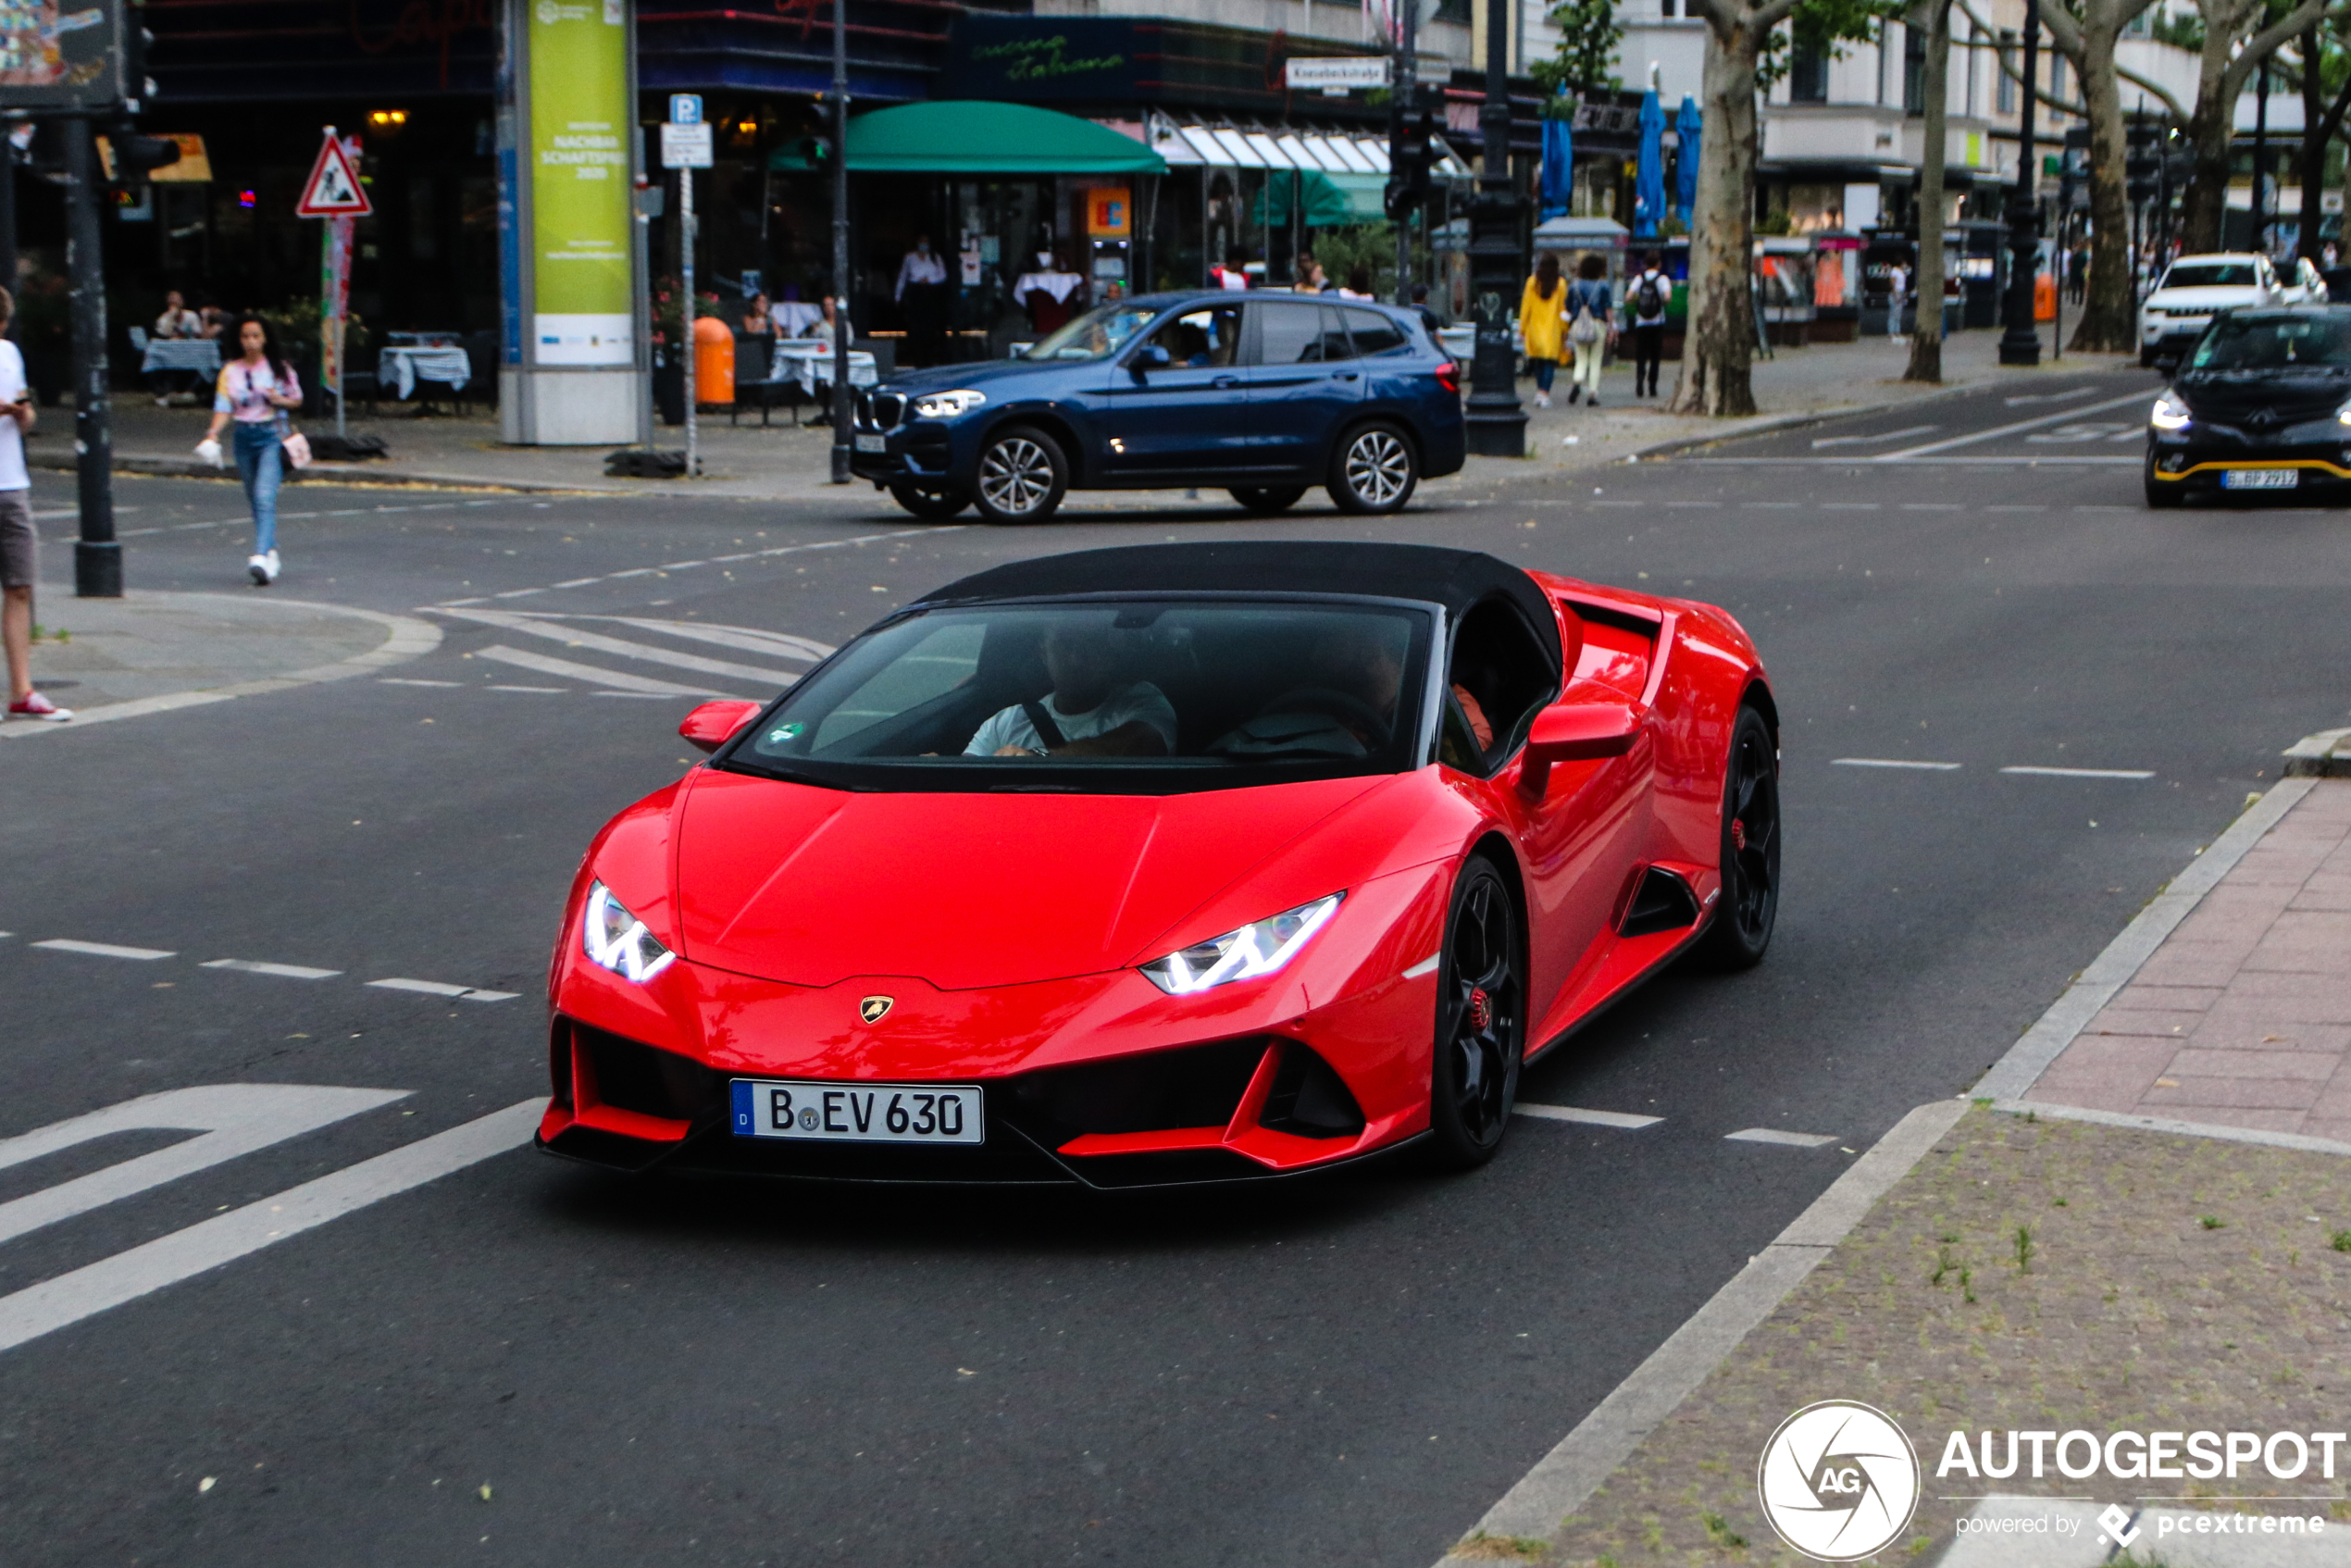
(1649, 178)
(1559, 169)
(1689, 124)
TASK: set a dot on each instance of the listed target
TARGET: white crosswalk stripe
(727, 678)
(596, 641)
(594, 676)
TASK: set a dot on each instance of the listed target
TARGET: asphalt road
(1345, 1371)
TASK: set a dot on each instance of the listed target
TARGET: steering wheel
(1337, 705)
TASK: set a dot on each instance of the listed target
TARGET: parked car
(1263, 396)
(2263, 402)
(2197, 288)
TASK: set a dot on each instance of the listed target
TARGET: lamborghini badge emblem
(874, 1009)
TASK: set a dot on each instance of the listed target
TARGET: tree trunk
(1719, 347)
(2315, 134)
(2212, 132)
(1926, 344)
(2106, 326)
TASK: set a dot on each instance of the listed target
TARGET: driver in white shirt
(1092, 714)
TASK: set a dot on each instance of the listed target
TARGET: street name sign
(1338, 74)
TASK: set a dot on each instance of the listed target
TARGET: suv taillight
(1449, 376)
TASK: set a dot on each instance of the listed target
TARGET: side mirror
(1150, 356)
(1578, 732)
(713, 724)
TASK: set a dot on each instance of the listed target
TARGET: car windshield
(2211, 275)
(1098, 334)
(2275, 342)
(1141, 696)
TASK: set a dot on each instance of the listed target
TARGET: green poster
(579, 127)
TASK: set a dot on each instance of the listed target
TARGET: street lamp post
(2021, 344)
(98, 555)
(1497, 423)
(841, 243)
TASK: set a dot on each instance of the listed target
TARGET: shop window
(1913, 70)
(2006, 95)
(424, 225)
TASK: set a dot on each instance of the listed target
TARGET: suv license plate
(853, 1112)
(2261, 478)
(873, 443)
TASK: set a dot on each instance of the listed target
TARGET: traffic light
(2141, 162)
(137, 86)
(1408, 162)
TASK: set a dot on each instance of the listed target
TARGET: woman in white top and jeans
(254, 392)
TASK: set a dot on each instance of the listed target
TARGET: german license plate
(2261, 478)
(817, 1112)
(873, 443)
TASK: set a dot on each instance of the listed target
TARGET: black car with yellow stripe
(2262, 403)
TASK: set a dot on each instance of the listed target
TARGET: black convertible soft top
(1455, 579)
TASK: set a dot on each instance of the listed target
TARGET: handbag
(296, 445)
(1585, 328)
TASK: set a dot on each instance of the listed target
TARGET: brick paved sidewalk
(2242, 1017)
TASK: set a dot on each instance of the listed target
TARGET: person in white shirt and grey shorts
(19, 546)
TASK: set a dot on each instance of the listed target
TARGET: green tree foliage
(1586, 59)
(1824, 25)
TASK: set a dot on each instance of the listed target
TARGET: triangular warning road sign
(334, 188)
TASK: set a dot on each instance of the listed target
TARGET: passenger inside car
(1202, 339)
(1093, 710)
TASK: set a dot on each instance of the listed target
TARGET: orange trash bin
(713, 362)
(2043, 297)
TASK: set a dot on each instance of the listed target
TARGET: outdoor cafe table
(809, 361)
(200, 354)
(405, 366)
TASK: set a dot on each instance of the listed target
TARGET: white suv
(2197, 288)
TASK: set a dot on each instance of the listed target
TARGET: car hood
(2234, 397)
(2227, 296)
(812, 887)
(981, 375)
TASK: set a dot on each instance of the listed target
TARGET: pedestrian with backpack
(1589, 327)
(1542, 321)
(1650, 292)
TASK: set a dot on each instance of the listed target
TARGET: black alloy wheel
(1481, 1020)
(2161, 493)
(1749, 901)
(1022, 476)
(1266, 500)
(1374, 470)
(933, 504)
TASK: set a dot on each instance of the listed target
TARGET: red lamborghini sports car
(1170, 864)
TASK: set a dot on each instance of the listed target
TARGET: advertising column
(571, 372)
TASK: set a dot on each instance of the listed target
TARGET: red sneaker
(38, 706)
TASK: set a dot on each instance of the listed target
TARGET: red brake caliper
(1481, 1008)
(1738, 834)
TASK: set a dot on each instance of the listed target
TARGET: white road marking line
(454, 602)
(2020, 402)
(751, 639)
(2030, 508)
(410, 681)
(634, 571)
(1893, 762)
(518, 593)
(1425, 966)
(682, 566)
(1913, 452)
(576, 582)
(1883, 435)
(259, 966)
(233, 1119)
(641, 696)
(105, 949)
(1785, 1140)
(746, 555)
(590, 675)
(542, 691)
(1773, 506)
(2085, 772)
(67, 1299)
(1849, 506)
(441, 988)
(1933, 506)
(1594, 1118)
(596, 641)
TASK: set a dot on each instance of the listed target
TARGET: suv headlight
(2171, 414)
(1258, 948)
(947, 405)
(618, 941)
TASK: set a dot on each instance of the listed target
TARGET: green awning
(1332, 200)
(980, 137)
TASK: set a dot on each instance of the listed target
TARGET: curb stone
(2326, 755)
(408, 639)
(1564, 1479)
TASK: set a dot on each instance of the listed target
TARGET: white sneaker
(271, 559)
(1542, 400)
(258, 569)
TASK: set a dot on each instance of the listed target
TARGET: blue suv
(1263, 395)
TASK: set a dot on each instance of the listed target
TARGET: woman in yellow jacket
(1542, 317)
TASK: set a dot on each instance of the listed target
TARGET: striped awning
(1314, 152)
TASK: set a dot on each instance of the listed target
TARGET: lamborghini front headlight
(618, 941)
(1258, 948)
